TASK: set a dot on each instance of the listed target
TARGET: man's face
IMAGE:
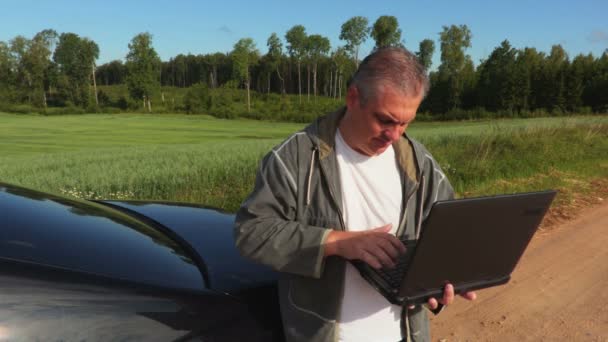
(372, 127)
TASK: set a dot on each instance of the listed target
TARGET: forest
(299, 77)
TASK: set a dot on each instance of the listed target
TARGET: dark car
(74, 270)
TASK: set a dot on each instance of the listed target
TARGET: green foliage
(203, 160)
(244, 56)
(296, 39)
(198, 99)
(217, 174)
(273, 58)
(425, 53)
(498, 154)
(578, 74)
(498, 83)
(143, 67)
(355, 31)
(75, 57)
(386, 32)
(104, 99)
(317, 46)
(454, 40)
(31, 62)
(511, 82)
(275, 47)
(554, 73)
(113, 72)
(7, 74)
(455, 78)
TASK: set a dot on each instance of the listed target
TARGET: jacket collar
(323, 134)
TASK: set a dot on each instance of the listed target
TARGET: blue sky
(200, 27)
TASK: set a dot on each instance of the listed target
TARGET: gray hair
(390, 66)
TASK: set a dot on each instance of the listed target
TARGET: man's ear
(352, 97)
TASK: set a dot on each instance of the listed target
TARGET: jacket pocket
(318, 297)
(302, 297)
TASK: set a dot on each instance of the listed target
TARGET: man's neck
(345, 128)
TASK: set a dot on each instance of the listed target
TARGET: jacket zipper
(403, 223)
(420, 201)
(310, 171)
(342, 228)
(333, 196)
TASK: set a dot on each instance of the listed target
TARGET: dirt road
(558, 292)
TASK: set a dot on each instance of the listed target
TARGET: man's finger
(395, 242)
(381, 255)
(433, 304)
(448, 294)
(370, 259)
(384, 229)
(388, 247)
(470, 295)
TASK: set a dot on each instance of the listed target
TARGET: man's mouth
(382, 142)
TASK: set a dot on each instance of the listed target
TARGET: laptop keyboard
(394, 275)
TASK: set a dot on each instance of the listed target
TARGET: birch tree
(143, 69)
(244, 56)
(355, 32)
(386, 32)
(275, 54)
(296, 39)
(318, 47)
(75, 57)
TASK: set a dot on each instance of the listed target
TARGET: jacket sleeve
(266, 229)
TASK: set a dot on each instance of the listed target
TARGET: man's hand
(377, 247)
(448, 297)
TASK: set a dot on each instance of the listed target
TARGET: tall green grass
(213, 162)
(218, 174)
(510, 160)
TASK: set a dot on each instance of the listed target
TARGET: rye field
(200, 159)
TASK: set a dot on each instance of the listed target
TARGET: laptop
(472, 243)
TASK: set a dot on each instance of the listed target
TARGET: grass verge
(213, 162)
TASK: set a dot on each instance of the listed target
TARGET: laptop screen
(474, 241)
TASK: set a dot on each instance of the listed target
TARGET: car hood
(87, 237)
(209, 232)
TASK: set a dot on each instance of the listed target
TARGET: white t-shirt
(371, 198)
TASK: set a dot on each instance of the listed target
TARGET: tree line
(59, 70)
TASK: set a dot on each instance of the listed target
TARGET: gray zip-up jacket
(297, 201)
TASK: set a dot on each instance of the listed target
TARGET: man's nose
(393, 133)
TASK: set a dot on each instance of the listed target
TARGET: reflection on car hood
(210, 234)
(83, 236)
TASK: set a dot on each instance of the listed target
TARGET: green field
(206, 160)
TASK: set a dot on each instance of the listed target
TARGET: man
(342, 189)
